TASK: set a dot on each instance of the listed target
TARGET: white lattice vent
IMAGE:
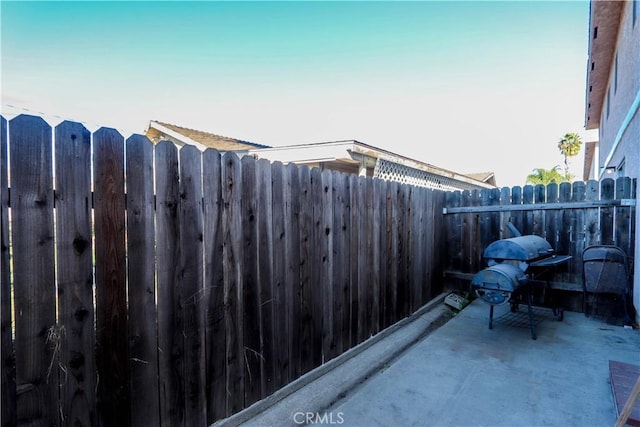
(396, 172)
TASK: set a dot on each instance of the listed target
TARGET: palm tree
(569, 146)
(546, 176)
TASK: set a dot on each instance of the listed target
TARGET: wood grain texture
(251, 303)
(141, 268)
(326, 234)
(307, 250)
(233, 280)
(276, 310)
(75, 274)
(8, 416)
(114, 393)
(214, 285)
(623, 216)
(190, 282)
(291, 198)
(341, 260)
(265, 258)
(170, 315)
(37, 337)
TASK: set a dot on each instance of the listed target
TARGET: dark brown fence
(145, 285)
(571, 216)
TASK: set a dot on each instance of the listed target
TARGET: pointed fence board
(8, 375)
(170, 315)
(233, 280)
(276, 308)
(75, 274)
(37, 337)
(190, 278)
(114, 393)
(291, 192)
(251, 304)
(267, 294)
(141, 279)
(307, 280)
(214, 286)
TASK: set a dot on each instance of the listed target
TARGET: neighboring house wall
(619, 117)
(619, 120)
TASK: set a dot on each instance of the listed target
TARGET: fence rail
(146, 285)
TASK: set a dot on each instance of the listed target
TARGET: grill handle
(514, 230)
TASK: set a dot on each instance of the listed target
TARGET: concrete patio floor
(463, 374)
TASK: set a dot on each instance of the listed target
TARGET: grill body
(523, 249)
(496, 283)
(511, 263)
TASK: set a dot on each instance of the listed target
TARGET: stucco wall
(621, 111)
(621, 98)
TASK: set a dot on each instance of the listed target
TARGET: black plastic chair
(605, 270)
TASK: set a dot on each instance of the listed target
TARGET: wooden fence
(146, 285)
(570, 216)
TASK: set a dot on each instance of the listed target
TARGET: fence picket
(75, 273)
(114, 393)
(607, 192)
(170, 316)
(516, 218)
(578, 234)
(360, 285)
(8, 375)
(268, 293)
(382, 255)
(233, 280)
(190, 284)
(141, 279)
(36, 336)
(354, 243)
(318, 267)
(622, 225)
(592, 224)
(402, 293)
(250, 287)
(277, 306)
(391, 285)
(341, 259)
(306, 271)
(291, 192)
(214, 286)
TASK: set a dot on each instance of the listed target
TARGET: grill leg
(531, 322)
(491, 316)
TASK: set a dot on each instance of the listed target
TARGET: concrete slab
(463, 374)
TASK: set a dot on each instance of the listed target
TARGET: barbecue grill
(512, 263)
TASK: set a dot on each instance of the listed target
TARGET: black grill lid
(523, 248)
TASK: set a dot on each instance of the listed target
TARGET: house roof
(353, 151)
(488, 177)
(158, 130)
(604, 21)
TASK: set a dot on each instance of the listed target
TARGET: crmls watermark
(327, 418)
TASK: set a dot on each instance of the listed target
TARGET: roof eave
(604, 21)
